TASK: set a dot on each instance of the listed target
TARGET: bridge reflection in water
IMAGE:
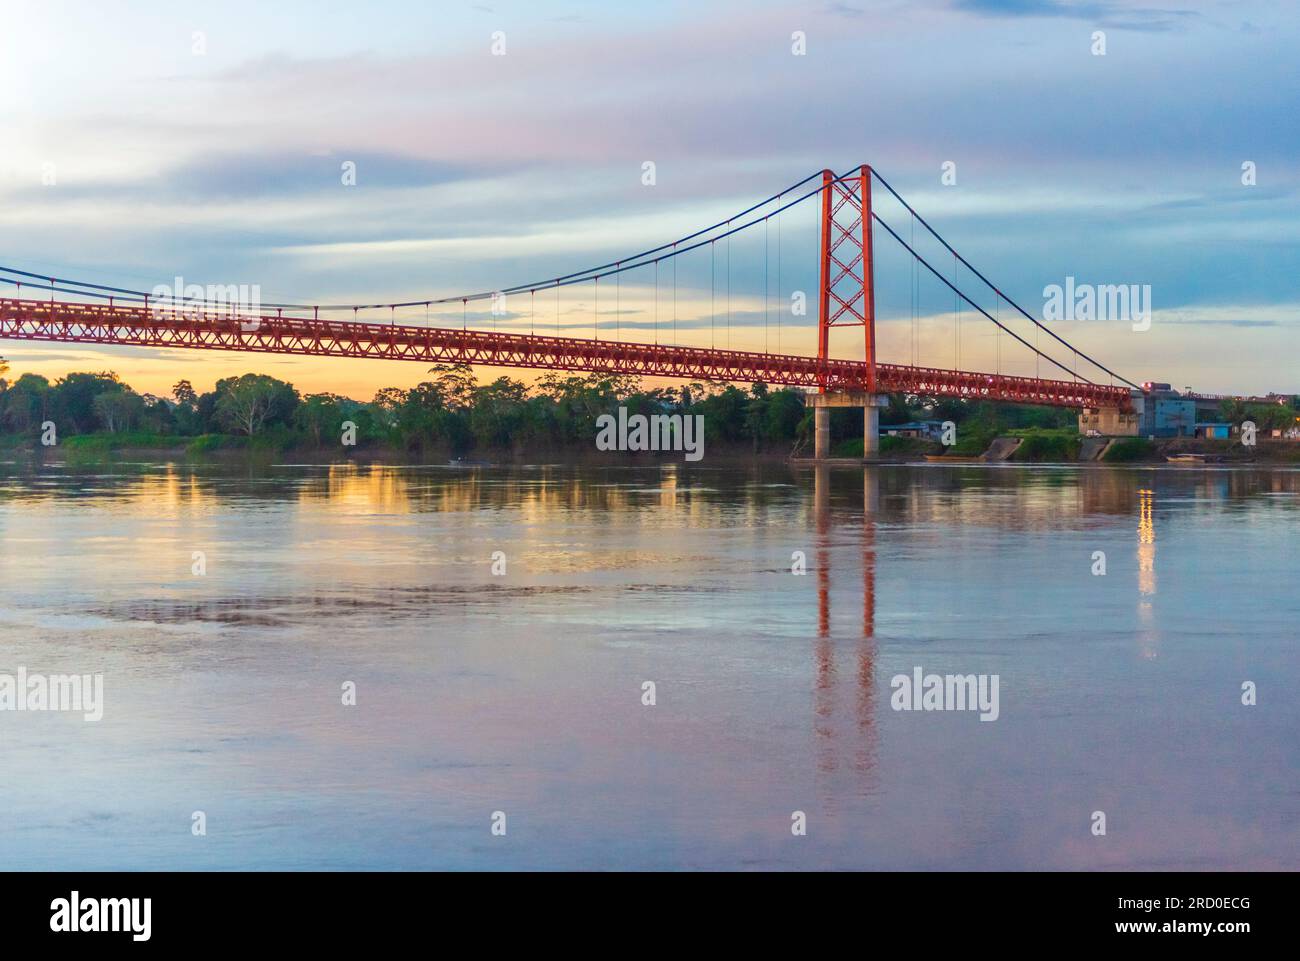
(835, 723)
(827, 693)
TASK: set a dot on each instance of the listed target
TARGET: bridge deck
(39, 320)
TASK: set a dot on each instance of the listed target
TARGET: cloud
(286, 174)
(476, 172)
(1149, 19)
(1254, 315)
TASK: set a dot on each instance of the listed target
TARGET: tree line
(450, 411)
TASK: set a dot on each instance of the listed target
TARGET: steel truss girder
(38, 320)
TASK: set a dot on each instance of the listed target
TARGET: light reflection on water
(522, 693)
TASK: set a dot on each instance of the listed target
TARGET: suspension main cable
(578, 277)
(876, 217)
(934, 233)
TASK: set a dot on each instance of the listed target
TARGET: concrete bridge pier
(822, 440)
(822, 404)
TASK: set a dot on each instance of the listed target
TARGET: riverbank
(1035, 446)
(1052, 446)
(90, 448)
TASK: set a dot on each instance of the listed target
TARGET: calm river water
(522, 692)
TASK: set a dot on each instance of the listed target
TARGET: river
(499, 625)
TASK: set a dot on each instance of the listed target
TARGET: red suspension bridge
(846, 298)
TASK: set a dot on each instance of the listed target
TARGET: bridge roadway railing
(162, 326)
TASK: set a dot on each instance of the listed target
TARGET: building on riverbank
(1158, 411)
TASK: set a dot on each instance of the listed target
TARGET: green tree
(24, 405)
(320, 415)
(724, 414)
(756, 415)
(1233, 411)
(785, 412)
(184, 393)
(898, 411)
(117, 410)
(578, 400)
(419, 415)
(252, 401)
(72, 400)
(157, 415)
(497, 412)
(455, 384)
(1271, 416)
(948, 408)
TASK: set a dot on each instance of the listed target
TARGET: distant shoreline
(1148, 453)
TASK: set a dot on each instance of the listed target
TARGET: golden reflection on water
(1146, 551)
(349, 486)
(1146, 543)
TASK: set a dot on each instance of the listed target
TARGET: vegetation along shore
(451, 415)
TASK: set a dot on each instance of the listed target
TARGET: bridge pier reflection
(826, 682)
(823, 522)
(870, 506)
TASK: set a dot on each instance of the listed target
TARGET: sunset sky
(218, 158)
